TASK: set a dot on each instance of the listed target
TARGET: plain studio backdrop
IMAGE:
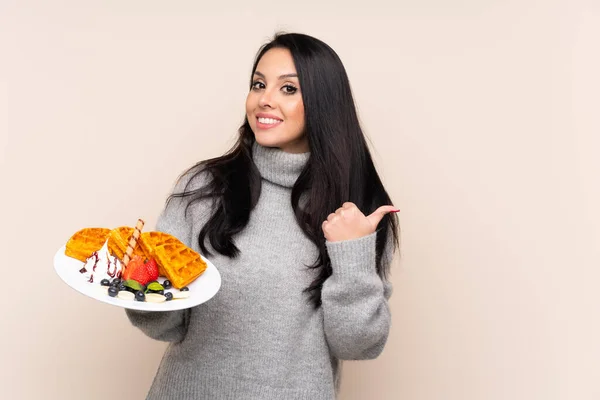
(483, 118)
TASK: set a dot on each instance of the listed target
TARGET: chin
(271, 139)
(267, 142)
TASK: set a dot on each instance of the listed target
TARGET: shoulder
(186, 204)
(191, 180)
(191, 189)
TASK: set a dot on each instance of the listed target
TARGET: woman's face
(274, 105)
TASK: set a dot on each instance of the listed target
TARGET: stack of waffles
(177, 262)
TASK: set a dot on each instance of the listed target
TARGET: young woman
(299, 225)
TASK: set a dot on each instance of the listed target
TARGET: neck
(278, 166)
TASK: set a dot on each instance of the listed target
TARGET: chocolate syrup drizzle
(114, 263)
(94, 254)
(111, 272)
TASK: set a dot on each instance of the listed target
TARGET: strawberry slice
(141, 275)
(152, 269)
(137, 271)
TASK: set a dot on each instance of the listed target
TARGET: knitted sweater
(260, 338)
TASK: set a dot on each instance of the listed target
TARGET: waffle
(86, 241)
(148, 242)
(118, 240)
(177, 262)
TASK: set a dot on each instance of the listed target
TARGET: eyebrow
(284, 76)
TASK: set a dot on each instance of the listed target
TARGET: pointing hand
(348, 222)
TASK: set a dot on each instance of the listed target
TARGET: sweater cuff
(353, 256)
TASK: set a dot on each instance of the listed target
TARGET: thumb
(378, 214)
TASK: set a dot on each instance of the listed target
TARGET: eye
(289, 89)
(257, 85)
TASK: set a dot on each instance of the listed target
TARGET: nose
(266, 99)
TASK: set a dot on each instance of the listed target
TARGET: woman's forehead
(275, 64)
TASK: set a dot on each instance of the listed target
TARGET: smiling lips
(267, 121)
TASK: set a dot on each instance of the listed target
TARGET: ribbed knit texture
(260, 338)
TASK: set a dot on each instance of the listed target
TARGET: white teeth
(269, 121)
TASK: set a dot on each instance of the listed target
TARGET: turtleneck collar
(277, 166)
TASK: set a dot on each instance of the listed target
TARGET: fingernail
(395, 211)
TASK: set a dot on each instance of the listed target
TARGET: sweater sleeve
(168, 326)
(355, 300)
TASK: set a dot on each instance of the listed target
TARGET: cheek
(301, 112)
(297, 112)
(249, 106)
(301, 121)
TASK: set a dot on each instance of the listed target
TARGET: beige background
(484, 120)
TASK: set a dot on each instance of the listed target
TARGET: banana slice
(155, 298)
(125, 295)
(181, 295)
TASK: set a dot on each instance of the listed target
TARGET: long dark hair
(339, 164)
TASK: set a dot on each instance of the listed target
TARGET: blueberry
(184, 289)
(140, 296)
(112, 291)
(116, 282)
(121, 286)
(169, 296)
(167, 284)
(105, 282)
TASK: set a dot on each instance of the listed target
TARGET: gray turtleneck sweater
(260, 338)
